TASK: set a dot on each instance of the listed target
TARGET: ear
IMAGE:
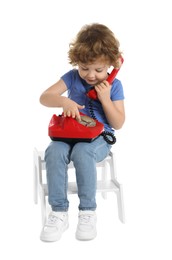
(118, 63)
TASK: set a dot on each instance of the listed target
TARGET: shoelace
(53, 219)
(85, 219)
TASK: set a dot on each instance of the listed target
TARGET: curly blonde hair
(94, 41)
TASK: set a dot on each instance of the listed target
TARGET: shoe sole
(53, 238)
(86, 237)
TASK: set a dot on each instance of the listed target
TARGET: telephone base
(73, 140)
(68, 129)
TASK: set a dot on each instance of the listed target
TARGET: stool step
(102, 186)
(70, 165)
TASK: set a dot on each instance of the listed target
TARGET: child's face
(94, 72)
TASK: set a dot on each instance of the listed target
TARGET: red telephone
(68, 129)
(92, 93)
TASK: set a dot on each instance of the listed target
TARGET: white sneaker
(56, 224)
(86, 228)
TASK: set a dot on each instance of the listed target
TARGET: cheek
(81, 73)
(102, 76)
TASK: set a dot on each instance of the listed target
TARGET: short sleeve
(117, 92)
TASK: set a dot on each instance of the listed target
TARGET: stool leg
(120, 201)
(119, 193)
(43, 205)
(104, 178)
(35, 185)
(42, 192)
(35, 177)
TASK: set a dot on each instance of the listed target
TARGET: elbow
(42, 100)
(117, 127)
(119, 124)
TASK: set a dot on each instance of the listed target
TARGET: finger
(97, 88)
(81, 106)
(103, 84)
(73, 114)
(77, 115)
(107, 83)
(68, 113)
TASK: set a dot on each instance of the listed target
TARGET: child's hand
(103, 90)
(71, 109)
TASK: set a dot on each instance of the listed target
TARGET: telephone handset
(92, 93)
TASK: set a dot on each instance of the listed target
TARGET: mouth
(91, 82)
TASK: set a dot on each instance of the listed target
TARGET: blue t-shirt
(77, 89)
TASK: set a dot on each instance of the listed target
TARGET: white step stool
(104, 185)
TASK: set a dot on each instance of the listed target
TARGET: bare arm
(52, 97)
(114, 110)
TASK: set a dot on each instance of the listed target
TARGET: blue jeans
(84, 156)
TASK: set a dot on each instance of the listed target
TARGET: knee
(51, 149)
(56, 150)
(82, 151)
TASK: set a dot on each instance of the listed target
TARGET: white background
(33, 55)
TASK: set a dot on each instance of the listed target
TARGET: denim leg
(57, 159)
(85, 156)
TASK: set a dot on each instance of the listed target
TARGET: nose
(90, 75)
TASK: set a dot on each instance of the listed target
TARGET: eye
(84, 69)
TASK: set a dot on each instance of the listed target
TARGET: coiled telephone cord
(108, 136)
